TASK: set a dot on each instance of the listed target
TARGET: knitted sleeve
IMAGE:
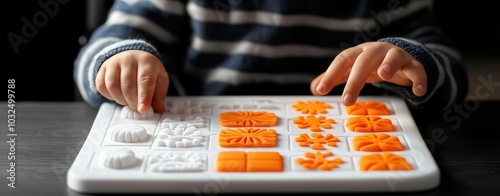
(446, 80)
(156, 27)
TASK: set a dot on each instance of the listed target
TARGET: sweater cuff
(422, 55)
(122, 46)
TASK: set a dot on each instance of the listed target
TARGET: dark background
(43, 66)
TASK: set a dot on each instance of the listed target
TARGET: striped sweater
(271, 47)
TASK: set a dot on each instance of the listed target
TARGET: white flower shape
(131, 114)
(186, 107)
(189, 121)
(119, 159)
(173, 162)
(179, 137)
(128, 133)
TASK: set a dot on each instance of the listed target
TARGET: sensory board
(251, 144)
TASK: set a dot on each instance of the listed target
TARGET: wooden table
(464, 141)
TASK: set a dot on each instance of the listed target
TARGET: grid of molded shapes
(185, 138)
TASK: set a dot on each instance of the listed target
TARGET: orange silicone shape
(317, 140)
(377, 142)
(248, 119)
(248, 137)
(383, 162)
(240, 161)
(314, 123)
(367, 108)
(370, 124)
(264, 162)
(311, 107)
(318, 160)
(231, 161)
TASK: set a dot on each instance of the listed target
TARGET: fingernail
(348, 99)
(421, 89)
(320, 88)
(141, 107)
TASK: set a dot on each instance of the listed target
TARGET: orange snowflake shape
(314, 123)
(370, 124)
(382, 162)
(367, 108)
(317, 140)
(248, 137)
(377, 142)
(318, 160)
(311, 107)
(248, 119)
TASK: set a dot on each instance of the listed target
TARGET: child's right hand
(134, 78)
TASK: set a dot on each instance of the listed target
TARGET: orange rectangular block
(231, 161)
(264, 162)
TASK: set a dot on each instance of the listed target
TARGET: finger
(337, 69)
(361, 70)
(415, 71)
(112, 80)
(394, 59)
(128, 84)
(146, 84)
(101, 84)
(314, 84)
(162, 83)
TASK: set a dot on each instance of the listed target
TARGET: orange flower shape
(248, 119)
(311, 107)
(317, 140)
(370, 124)
(384, 161)
(377, 142)
(314, 123)
(318, 160)
(367, 108)
(248, 137)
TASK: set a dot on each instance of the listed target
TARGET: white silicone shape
(131, 114)
(119, 159)
(172, 162)
(189, 121)
(186, 107)
(179, 137)
(128, 133)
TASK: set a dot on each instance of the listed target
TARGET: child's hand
(134, 78)
(371, 62)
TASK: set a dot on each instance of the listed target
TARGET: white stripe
(84, 61)
(234, 77)
(269, 18)
(173, 7)
(450, 51)
(262, 50)
(139, 22)
(453, 82)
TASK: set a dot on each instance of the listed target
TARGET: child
(264, 47)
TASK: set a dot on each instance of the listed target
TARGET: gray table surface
(50, 135)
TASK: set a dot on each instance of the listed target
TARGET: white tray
(107, 166)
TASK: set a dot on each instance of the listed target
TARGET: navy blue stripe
(176, 24)
(271, 35)
(341, 9)
(250, 63)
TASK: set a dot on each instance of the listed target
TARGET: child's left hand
(371, 62)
